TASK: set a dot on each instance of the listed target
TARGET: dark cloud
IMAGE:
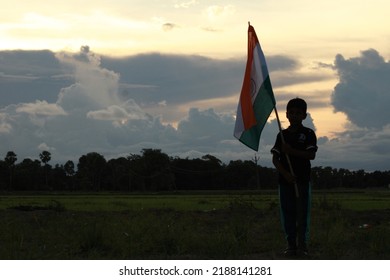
(211, 29)
(283, 78)
(169, 26)
(359, 148)
(26, 76)
(151, 78)
(74, 103)
(176, 79)
(35, 63)
(362, 92)
(90, 114)
(147, 78)
(183, 81)
(280, 62)
(205, 128)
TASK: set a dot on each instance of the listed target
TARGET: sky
(117, 76)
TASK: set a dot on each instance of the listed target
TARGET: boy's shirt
(303, 139)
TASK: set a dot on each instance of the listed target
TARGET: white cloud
(216, 12)
(186, 4)
(45, 147)
(119, 114)
(97, 84)
(42, 108)
(117, 106)
(5, 126)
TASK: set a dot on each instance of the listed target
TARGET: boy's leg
(288, 214)
(304, 216)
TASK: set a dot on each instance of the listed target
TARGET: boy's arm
(280, 168)
(307, 154)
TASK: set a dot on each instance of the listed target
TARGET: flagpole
(287, 156)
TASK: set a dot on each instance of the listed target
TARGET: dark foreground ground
(238, 232)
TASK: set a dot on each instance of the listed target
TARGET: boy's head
(296, 111)
(297, 103)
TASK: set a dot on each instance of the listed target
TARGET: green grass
(110, 202)
(360, 201)
(193, 226)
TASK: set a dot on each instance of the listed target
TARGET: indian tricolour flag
(257, 98)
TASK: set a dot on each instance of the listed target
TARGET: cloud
(44, 147)
(119, 114)
(211, 29)
(191, 81)
(172, 75)
(367, 149)
(64, 125)
(5, 126)
(42, 108)
(181, 104)
(205, 127)
(177, 81)
(216, 12)
(27, 76)
(362, 92)
(281, 62)
(186, 4)
(169, 26)
(90, 114)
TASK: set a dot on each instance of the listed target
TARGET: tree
(69, 168)
(57, 178)
(45, 157)
(91, 170)
(135, 170)
(70, 172)
(239, 174)
(212, 169)
(10, 160)
(119, 175)
(28, 175)
(157, 172)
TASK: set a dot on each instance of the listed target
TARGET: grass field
(215, 225)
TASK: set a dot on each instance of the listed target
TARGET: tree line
(154, 171)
